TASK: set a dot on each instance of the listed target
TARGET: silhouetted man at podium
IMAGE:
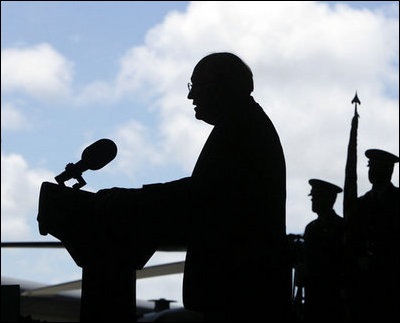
(373, 244)
(230, 213)
(323, 248)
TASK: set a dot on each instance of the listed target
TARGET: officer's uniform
(323, 246)
(372, 244)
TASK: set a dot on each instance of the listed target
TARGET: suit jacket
(230, 213)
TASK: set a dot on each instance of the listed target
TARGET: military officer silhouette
(323, 247)
(372, 245)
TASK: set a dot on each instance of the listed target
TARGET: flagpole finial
(356, 99)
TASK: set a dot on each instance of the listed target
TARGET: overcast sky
(73, 72)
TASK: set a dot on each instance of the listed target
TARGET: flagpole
(350, 182)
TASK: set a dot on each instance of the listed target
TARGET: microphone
(94, 157)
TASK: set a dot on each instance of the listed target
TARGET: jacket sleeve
(166, 210)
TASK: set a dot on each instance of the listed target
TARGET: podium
(108, 261)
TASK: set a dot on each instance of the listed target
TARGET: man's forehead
(202, 75)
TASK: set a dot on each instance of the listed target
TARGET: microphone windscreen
(99, 154)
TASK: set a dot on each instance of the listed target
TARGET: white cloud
(96, 92)
(20, 186)
(39, 70)
(135, 149)
(308, 59)
(12, 118)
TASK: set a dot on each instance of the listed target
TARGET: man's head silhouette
(381, 164)
(323, 195)
(218, 81)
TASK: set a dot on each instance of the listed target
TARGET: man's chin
(201, 117)
(198, 116)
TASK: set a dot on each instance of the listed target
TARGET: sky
(73, 72)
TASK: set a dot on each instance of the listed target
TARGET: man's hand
(117, 200)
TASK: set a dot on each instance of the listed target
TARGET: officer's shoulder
(310, 225)
(338, 218)
(338, 222)
(366, 196)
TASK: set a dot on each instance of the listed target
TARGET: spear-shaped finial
(355, 101)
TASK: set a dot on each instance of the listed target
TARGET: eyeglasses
(190, 85)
